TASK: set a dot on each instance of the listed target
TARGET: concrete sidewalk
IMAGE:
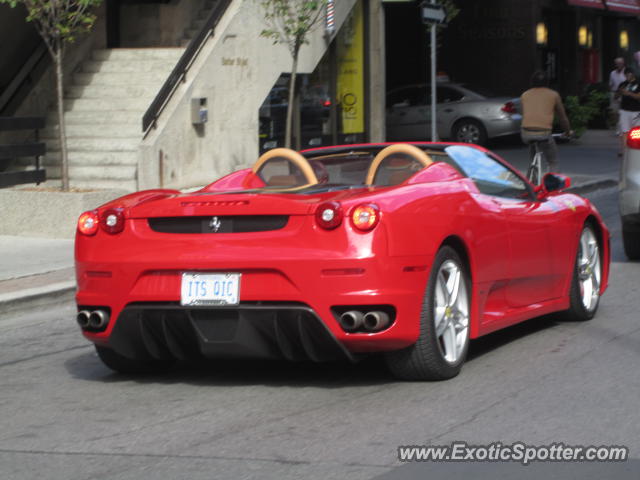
(38, 272)
(35, 272)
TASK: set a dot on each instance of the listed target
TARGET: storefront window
(330, 102)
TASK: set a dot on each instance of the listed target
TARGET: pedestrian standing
(616, 77)
(629, 95)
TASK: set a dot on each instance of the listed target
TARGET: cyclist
(539, 104)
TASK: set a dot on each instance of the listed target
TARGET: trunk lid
(209, 204)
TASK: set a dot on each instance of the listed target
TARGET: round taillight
(329, 215)
(365, 217)
(633, 138)
(88, 223)
(112, 220)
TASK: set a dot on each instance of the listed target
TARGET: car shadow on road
(369, 371)
(241, 372)
(486, 344)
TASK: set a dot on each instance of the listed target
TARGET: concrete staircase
(104, 105)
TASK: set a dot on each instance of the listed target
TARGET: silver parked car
(464, 114)
(630, 195)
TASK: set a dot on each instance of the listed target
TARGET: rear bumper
(630, 183)
(160, 331)
(502, 126)
(126, 275)
(630, 202)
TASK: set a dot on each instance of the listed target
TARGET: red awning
(628, 6)
(587, 3)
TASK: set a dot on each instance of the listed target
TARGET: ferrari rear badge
(215, 224)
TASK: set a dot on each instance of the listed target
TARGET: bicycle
(535, 170)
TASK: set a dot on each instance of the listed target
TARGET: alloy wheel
(589, 269)
(468, 133)
(451, 311)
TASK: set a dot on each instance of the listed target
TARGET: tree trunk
(64, 163)
(292, 90)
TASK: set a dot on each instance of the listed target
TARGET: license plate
(210, 289)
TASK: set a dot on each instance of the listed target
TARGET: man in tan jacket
(539, 105)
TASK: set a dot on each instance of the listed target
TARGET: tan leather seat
(397, 178)
(398, 148)
(294, 158)
(282, 181)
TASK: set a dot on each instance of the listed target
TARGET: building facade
(497, 44)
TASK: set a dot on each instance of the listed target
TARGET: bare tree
(290, 22)
(59, 22)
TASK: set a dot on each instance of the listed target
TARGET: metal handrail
(22, 77)
(186, 60)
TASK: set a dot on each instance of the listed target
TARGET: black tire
(470, 131)
(122, 364)
(631, 240)
(425, 359)
(578, 311)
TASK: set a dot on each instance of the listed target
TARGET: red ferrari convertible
(407, 250)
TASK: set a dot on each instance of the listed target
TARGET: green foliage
(581, 113)
(451, 9)
(58, 21)
(290, 21)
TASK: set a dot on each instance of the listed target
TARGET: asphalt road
(66, 416)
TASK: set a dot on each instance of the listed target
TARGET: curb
(593, 186)
(24, 300)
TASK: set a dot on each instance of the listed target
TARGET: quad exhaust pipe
(83, 318)
(96, 319)
(351, 321)
(373, 321)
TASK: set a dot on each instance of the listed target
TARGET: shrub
(580, 113)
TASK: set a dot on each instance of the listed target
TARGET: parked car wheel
(442, 346)
(631, 240)
(122, 364)
(585, 286)
(470, 131)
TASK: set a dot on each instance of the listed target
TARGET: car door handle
(448, 110)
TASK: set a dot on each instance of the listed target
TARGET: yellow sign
(350, 83)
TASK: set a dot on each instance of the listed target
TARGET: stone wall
(156, 24)
(234, 72)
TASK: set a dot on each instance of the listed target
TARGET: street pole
(432, 14)
(434, 130)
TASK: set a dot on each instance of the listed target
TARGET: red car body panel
(521, 254)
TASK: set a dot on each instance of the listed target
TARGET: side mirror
(553, 182)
